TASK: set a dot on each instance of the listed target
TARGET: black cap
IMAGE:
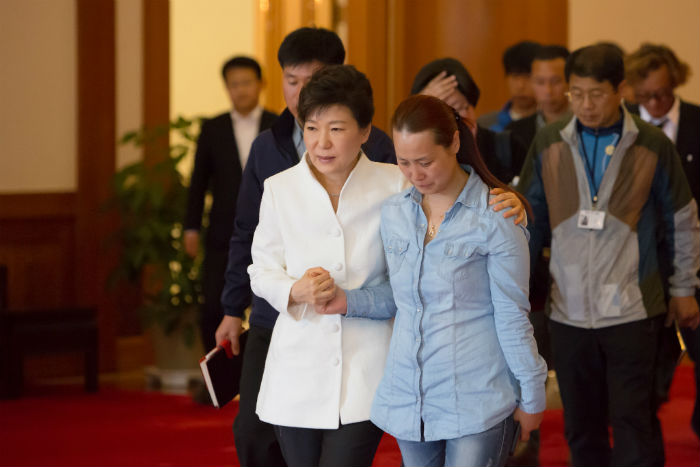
(465, 83)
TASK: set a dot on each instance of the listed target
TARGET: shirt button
(689, 157)
(335, 232)
(417, 339)
(338, 266)
(418, 310)
(334, 328)
(336, 361)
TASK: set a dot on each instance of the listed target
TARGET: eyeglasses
(660, 95)
(577, 96)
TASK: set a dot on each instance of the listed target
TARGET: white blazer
(321, 368)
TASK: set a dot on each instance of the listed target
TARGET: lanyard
(591, 170)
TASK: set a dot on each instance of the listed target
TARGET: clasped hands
(316, 287)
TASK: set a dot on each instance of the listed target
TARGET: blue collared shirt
(462, 355)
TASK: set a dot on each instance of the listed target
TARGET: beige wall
(202, 36)
(38, 91)
(129, 80)
(38, 95)
(675, 23)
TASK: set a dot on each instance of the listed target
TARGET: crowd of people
(422, 285)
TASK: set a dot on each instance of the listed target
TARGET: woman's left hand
(528, 422)
(507, 200)
(338, 305)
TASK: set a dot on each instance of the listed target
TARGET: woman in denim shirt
(463, 365)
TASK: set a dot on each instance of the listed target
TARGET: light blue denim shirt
(462, 354)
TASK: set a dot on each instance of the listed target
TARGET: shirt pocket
(395, 252)
(463, 267)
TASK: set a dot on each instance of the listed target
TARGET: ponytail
(420, 112)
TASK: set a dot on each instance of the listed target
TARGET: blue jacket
(272, 152)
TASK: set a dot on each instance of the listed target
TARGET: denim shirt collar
(470, 196)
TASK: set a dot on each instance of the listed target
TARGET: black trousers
(606, 376)
(213, 269)
(352, 445)
(256, 444)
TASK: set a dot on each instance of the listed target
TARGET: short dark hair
(551, 52)
(241, 62)
(615, 46)
(600, 62)
(338, 85)
(518, 57)
(465, 82)
(306, 45)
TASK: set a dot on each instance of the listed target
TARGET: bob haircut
(338, 85)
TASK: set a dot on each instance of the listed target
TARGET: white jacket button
(338, 266)
(335, 232)
(336, 361)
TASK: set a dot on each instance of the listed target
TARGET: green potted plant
(150, 198)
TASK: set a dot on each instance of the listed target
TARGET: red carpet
(56, 426)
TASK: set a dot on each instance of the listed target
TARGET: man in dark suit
(302, 52)
(550, 87)
(222, 151)
(654, 72)
(517, 64)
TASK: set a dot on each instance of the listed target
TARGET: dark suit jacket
(217, 168)
(688, 147)
(687, 143)
(503, 153)
(524, 129)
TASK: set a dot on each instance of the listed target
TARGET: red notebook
(222, 371)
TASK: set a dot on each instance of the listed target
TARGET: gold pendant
(431, 231)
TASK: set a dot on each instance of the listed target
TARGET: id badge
(592, 220)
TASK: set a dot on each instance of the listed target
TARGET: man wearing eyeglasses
(654, 72)
(603, 184)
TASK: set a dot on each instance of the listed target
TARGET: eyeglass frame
(662, 94)
(595, 96)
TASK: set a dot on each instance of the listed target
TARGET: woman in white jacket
(319, 227)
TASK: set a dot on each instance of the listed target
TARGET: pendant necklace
(432, 228)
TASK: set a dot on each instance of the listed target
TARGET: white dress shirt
(245, 129)
(321, 369)
(670, 120)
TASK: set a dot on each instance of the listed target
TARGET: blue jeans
(488, 448)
